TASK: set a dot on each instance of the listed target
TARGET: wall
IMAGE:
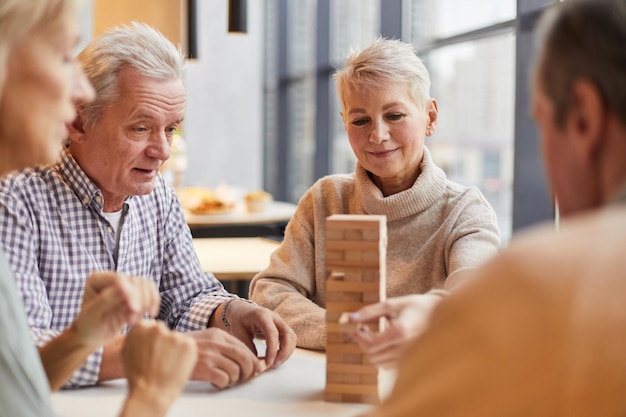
(223, 122)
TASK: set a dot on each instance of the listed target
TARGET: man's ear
(76, 129)
(586, 120)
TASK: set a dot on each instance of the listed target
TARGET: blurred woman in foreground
(40, 84)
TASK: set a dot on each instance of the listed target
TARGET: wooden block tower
(355, 261)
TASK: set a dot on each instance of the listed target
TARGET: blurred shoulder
(586, 248)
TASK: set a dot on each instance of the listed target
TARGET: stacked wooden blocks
(355, 261)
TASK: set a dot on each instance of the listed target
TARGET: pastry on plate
(258, 201)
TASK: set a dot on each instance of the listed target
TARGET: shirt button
(85, 200)
(110, 229)
(99, 199)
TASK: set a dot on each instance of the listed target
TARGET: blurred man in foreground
(540, 329)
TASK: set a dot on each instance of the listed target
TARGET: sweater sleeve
(475, 237)
(288, 285)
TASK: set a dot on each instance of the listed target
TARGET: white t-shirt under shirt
(116, 220)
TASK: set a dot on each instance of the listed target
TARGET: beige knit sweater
(435, 229)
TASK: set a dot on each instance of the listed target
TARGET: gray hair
(384, 61)
(136, 45)
(20, 17)
(583, 39)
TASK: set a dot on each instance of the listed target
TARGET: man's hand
(111, 301)
(248, 321)
(406, 317)
(223, 359)
(157, 363)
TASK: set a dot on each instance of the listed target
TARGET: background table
(241, 223)
(295, 389)
(234, 259)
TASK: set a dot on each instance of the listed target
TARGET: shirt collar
(83, 187)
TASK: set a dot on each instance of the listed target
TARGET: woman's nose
(379, 133)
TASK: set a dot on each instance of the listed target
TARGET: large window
(474, 84)
(469, 50)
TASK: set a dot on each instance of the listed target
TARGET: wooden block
(348, 328)
(353, 389)
(349, 368)
(352, 256)
(351, 265)
(333, 232)
(335, 378)
(343, 347)
(353, 358)
(370, 256)
(357, 221)
(334, 255)
(375, 235)
(335, 397)
(341, 306)
(353, 234)
(369, 379)
(371, 275)
(352, 286)
(360, 245)
(353, 276)
(335, 276)
(353, 379)
(333, 357)
(343, 358)
(343, 296)
(338, 338)
(370, 297)
(346, 266)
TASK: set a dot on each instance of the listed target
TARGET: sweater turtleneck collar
(427, 189)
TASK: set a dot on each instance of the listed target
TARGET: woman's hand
(405, 318)
(110, 301)
(158, 363)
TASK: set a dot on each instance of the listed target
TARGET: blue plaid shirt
(54, 235)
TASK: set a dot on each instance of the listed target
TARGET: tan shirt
(540, 332)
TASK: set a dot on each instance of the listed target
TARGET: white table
(295, 389)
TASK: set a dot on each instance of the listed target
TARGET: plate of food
(198, 200)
